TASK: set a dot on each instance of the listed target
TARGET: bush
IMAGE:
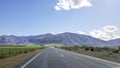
(84, 46)
(98, 49)
(119, 48)
(76, 47)
(106, 48)
(87, 49)
(115, 51)
(91, 48)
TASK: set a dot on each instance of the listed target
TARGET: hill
(67, 39)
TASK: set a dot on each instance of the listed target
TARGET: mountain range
(66, 38)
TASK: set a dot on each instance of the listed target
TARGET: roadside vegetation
(13, 55)
(107, 53)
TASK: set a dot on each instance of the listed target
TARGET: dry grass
(115, 57)
(103, 54)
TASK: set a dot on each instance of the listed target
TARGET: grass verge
(13, 61)
(111, 54)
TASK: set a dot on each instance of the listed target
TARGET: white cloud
(72, 4)
(106, 33)
(57, 8)
(80, 32)
(54, 33)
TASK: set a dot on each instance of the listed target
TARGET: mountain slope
(69, 39)
(13, 40)
(63, 38)
(115, 42)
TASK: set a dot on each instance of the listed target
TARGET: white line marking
(92, 57)
(62, 55)
(31, 60)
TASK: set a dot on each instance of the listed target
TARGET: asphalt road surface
(57, 58)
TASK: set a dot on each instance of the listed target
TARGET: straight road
(57, 58)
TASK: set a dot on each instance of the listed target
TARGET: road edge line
(30, 60)
(92, 57)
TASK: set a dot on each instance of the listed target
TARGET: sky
(98, 18)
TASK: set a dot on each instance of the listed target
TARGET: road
(57, 58)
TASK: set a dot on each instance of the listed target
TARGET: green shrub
(106, 48)
(87, 49)
(92, 48)
(84, 46)
(115, 51)
(119, 48)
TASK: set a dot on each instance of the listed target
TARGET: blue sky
(34, 17)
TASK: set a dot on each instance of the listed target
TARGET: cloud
(54, 33)
(80, 32)
(72, 4)
(106, 33)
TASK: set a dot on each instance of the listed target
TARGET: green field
(11, 56)
(7, 51)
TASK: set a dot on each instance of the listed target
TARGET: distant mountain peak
(66, 38)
